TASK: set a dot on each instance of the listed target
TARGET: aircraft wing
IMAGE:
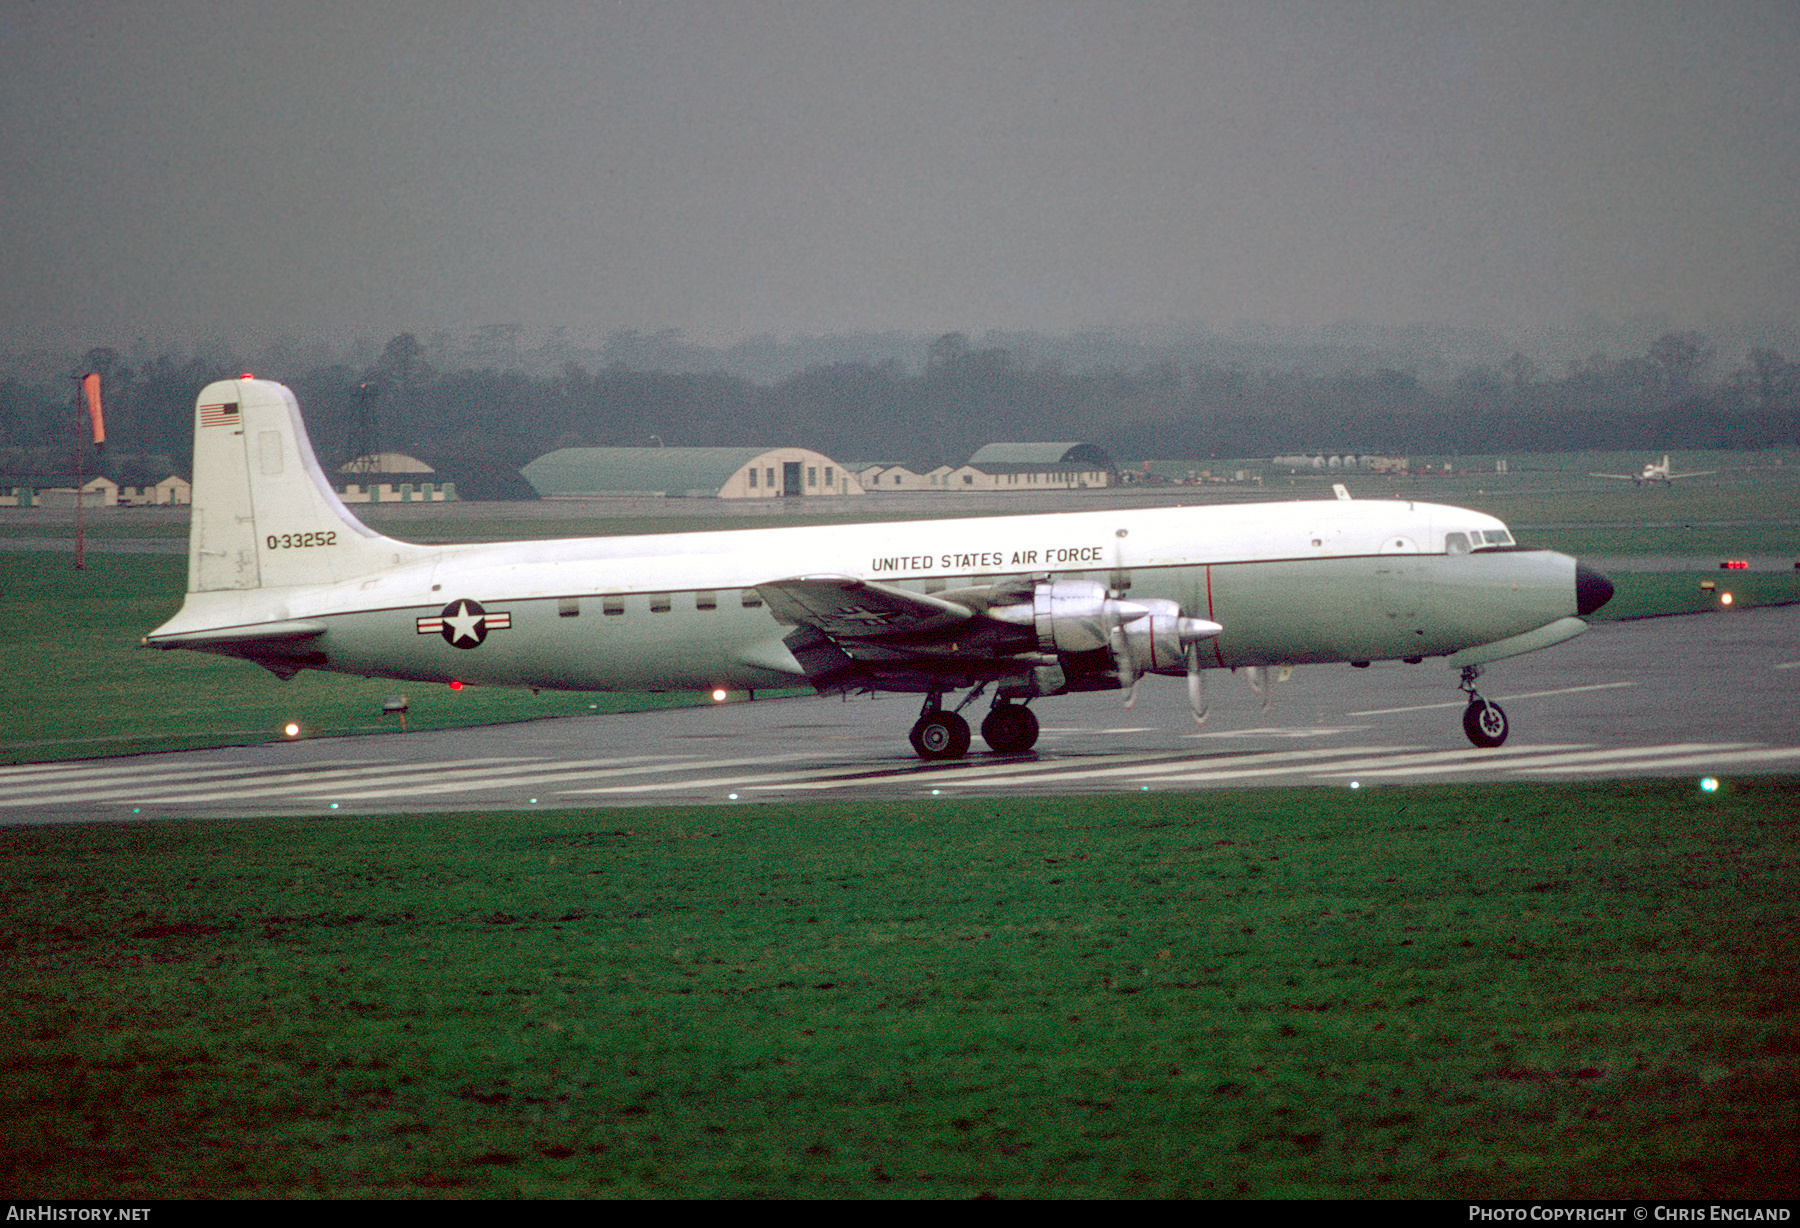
(1623, 477)
(846, 608)
(1702, 473)
(855, 634)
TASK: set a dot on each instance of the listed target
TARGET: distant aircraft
(1654, 471)
(1025, 607)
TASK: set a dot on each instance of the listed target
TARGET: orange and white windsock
(90, 388)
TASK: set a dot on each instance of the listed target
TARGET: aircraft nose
(1592, 590)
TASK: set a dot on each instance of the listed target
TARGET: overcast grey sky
(183, 171)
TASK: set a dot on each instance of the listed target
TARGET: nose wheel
(1483, 720)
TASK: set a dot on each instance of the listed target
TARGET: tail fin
(264, 514)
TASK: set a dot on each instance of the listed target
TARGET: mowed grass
(1422, 992)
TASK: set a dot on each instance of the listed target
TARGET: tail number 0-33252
(297, 541)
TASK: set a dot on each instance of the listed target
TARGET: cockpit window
(1498, 537)
(1456, 543)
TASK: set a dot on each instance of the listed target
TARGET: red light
(246, 375)
(456, 686)
(1735, 565)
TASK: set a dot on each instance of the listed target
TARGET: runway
(1705, 694)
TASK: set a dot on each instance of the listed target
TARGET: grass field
(1486, 992)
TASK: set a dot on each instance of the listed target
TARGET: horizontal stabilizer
(220, 638)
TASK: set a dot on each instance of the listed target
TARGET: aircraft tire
(941, 735)
(1010, 729)
(1485, 723)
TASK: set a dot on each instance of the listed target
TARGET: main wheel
(1485, 723)
(941, 735)
(1010, 729)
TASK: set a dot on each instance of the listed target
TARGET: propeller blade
(1123, 662)
(1258, 677)
(1196, 684)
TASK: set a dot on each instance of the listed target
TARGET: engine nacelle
(1071, 615)
(1154, 641)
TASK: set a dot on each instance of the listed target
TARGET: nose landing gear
(1483, 720)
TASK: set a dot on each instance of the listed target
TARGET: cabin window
(753, 477)
(614, 604)
(568, 607)
(706, 601)
(1456, 543)
(812, 475)
(770, 474)
(660, 603)
(751, 600)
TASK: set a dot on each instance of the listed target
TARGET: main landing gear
(1009, 729)
(1483, 720)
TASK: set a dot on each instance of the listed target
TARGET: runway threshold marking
(556, 773)
(1712, 760)
(1240, 762)
(1345, 767)
(131, 791)
(262, 781)
(444, 779)
(831, 778)
(1578, 757)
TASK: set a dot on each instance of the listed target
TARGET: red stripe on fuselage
(1219, 656)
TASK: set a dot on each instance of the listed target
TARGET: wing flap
(845, 608)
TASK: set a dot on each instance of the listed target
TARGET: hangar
(698, 473)
(1011, 465)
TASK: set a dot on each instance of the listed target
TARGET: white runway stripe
(147, 791)
(1714, 760)
(506, 780)
(552, 773)
(1575, 759)
(1138, 769)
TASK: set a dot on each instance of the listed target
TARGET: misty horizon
(188, 173)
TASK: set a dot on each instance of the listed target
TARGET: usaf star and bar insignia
(464, 624)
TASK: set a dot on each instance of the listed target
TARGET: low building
(696, 473)
(172, 491)
(58, 490)
(887, 478)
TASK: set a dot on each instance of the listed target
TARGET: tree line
(1674, 396)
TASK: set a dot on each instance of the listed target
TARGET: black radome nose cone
(1592, 590)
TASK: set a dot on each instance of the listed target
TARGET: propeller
(1196, 683)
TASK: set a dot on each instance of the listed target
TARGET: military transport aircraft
(281, 574)
(1655, 471)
